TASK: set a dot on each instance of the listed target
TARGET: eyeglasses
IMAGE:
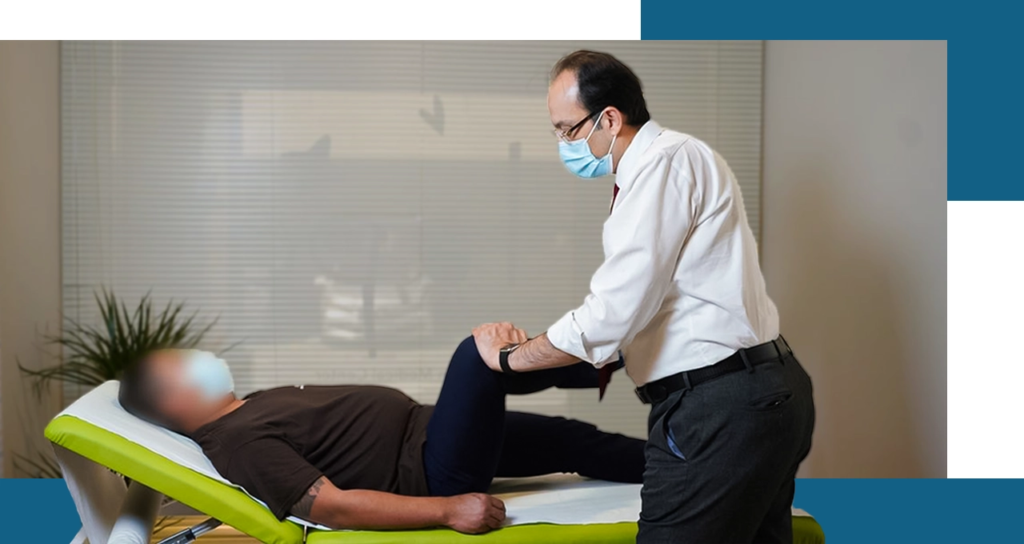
(566, 135)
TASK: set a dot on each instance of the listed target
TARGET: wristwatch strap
(503, 358)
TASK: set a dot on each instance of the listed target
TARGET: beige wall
(29, 230)
(854, 245)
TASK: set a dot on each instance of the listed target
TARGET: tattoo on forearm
(304, 506)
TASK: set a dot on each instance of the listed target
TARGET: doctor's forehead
(564, 100)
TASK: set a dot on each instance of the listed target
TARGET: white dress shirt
(680, 287)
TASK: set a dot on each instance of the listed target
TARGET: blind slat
(350, 210)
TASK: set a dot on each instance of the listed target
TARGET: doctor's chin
(546, 291)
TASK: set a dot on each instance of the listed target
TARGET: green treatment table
(79, 441)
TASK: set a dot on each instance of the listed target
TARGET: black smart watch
(503, 358)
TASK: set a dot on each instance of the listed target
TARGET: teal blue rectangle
(908, 511)
(850, 511)
(985, 112)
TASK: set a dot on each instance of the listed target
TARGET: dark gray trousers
(722, 458)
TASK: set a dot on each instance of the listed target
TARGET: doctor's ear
(613, 120)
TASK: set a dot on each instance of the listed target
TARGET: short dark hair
(605, 81)
(136, 394)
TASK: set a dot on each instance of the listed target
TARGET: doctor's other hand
(491, 337)
(474, 513)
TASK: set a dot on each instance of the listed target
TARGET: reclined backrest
(214, 498)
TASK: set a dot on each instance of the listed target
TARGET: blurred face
(179, 393)
(567, 111)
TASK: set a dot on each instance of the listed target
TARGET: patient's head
(180, 389)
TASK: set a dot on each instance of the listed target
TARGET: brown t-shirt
(282, 440)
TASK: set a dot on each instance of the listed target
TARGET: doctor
(680, 294)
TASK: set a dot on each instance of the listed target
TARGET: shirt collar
(643, 139)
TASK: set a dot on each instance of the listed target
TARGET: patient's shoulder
(230, 432)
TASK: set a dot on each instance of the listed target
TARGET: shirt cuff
(567, 336)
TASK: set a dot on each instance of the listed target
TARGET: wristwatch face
(509, 349)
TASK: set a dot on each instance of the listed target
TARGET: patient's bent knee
(467, 357)
(468, 347)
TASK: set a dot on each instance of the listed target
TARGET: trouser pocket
(670, 435)
(679, 427)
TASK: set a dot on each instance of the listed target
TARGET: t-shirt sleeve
(272, 471)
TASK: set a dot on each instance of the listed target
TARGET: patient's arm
(327, 505)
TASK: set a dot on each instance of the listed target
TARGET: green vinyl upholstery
(235, 508)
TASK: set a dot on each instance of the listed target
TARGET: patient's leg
(467, 428)
(536, 445)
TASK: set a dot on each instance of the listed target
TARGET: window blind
(350, 210)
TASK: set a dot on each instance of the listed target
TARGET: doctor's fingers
(503, 330)
(501, 326)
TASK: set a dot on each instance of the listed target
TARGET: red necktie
(604, 374)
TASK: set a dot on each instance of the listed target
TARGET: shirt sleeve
(272, 471)
(627, 290)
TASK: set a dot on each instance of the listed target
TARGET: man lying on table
(369, 457)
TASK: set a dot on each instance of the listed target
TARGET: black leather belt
(744, 359)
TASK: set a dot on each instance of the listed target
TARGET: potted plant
(93, 354)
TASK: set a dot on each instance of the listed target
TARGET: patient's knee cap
(467, 348)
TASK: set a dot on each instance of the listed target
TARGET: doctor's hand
(491, 337)
(474, 513)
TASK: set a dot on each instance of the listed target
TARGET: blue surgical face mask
(209, 373)
(580, 161)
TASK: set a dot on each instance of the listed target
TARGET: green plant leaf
(93, 354)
